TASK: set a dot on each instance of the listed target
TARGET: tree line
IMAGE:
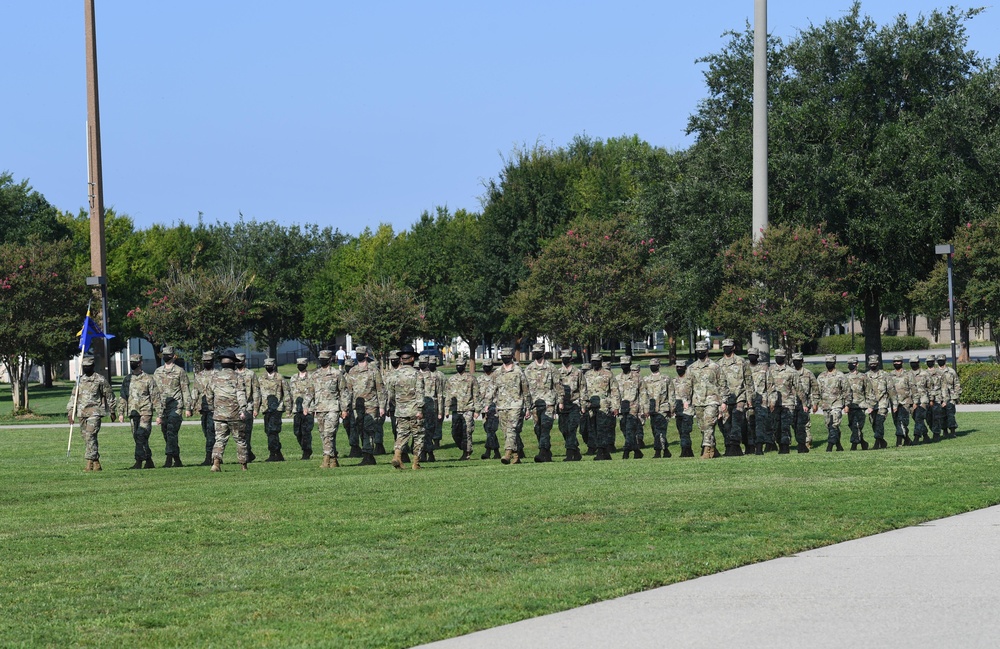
(883, 143)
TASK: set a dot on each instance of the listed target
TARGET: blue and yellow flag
(90, 332)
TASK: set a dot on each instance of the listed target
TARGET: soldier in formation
(762, 399)
(631, 389)
(303, 396)
(711, 393)
(568, 402)
(226, 394)
(951, 390)
(807, 402)
(433, 405)
(440, 384)
(902, 384)
(684, 410)
(512, 396)
(857, 404)
(391, 407)
(200, 403)
(406, 391)
(93, 401)
(252, 385)
(139, 399)
(330, 405)
(464, 403)
(740, 382)
(353, 432)
(787, 395)
(488, 407)
(368, 402)
(920, 384)
(881, 399)
(275, 398)
(603, 400)
(175, 402)
(833, 393)
(541, 377)
(658, 402)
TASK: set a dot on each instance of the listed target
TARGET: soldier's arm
(109, 397)
(123, 393)
(616, 396)
(381, 396)
(286, 393)
(186, 403)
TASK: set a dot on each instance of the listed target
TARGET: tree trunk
(911, 324)
(672, 346)
(272, 347)
(47, 374)
(872, 325)
(963, 341)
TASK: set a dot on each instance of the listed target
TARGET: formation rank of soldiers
(756, 406)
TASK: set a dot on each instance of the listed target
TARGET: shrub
(980, 382)
(841, 344)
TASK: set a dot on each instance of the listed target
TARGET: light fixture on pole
(948, 249)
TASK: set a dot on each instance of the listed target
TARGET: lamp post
(948, 249)
(760, 217)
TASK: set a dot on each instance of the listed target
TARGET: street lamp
(948, 249)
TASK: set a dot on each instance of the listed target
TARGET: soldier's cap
(852, 360)
(270, 361)
(87, 360)
(538, 347)
(167, 349)
(349, 362)
(135, 358)
(915, 359)
(728, 342)
(422, 358)
(240, 356)
(228, 355)
(407, 350)
(898, 358)
(625, 360)
(361, 351)
(326, 353)
(681, 363)
(487, 362)
(301, 361)
(701, 346)
(461, 362)
(753, 351)
(655, 362)
(208, 356)
(930, 359)
(779, 352)
(941, 357)
(831, 358)
(566, 353)
(506, 351)
(596, 358)
(432, 359)
(797, 356)
(394, 354)
(873, 359)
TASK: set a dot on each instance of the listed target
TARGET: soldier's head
(701, 350)
(270, 365)
(407, 355)
(797, 360)
(654, 366)
(362, 352)
(728, 346)
(394, 358)
(930, 361)
(681, 367)
(753, 355)
(874, 362)
(167, 353)
(460, 365)
(487, 365)
(596, 361)
(135, 362)
(87, 365)
(831, 362)
(348, 364)
(566, 356)
(897, 362)
(626, 364)
(852, 363)
(227, 359)
(325, 357)
(538, 351)
(432, 362)
(779, 356)
(241, 360)
(941, 360)
(507, 355)
(302, 364)
(207, 360)
(914, 362)
(422, 362)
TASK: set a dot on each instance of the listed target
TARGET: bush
(980, 382)
(841, 344)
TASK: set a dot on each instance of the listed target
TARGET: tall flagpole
(760, 138)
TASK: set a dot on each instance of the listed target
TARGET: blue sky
(352, 114)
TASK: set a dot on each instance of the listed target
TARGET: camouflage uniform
(762, 398)
(201, 405)
(710, 391)
(353, 432)
(740, 381)
(658, 402)
(832, 398)
(406, 391)
(902, 382)
(788, 394)
(683, 390)
(390, 406)
(586, 420)
(94, 400)
(630, 416)
(462, 398)
(369, 401)
(139, 399)
(920, 387)
(433, 405)
(331, 400)
(175, 398)
(439, 381)
(252, 385)
(604, 400)
(491, 420)
(541, 377)
(951, 390)
(881, 399)
(805, 404)
(512, 395)
(570, 394)
(227, 396)
(276, 398)
(936, 397)
(857, 403)
(303, 398)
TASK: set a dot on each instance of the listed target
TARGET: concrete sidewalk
(933, 585)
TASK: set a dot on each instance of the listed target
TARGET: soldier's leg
(170, 428)
(784, 417)
(410, 430)
(707, 418)
(272, 427)
(208, 430)
(833, 427)
(429, 425)
(760, 416)
(739, 425)
(380, 434)
(140, 455)
(919, 421)
(508, 425)
(628, 431)
(491, 425)
(800, 419)
(950, 416)
(89, 428)
(937, 419)
(685, 426)
(395, 426)
(242, 434)
(586, 431)
(896, 423)
(222, 433)
(247, 432)
(809, 430)
(326, 430)
(726, 425)
(545, 423)
(571, 418)
(367, 422)
(605, 430)
(145, 426)
(297, 427)
(852, 423)
(658, 425)
(438, 431)
(353, 429)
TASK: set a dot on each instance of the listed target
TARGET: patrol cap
(394, 354)
(301, 361)
(167, 349)
(681, 363)
(487, 362)
(228, 355)
(701, 346)
(779, 352)
(461, 362)
(270, 361)
(797, 356)
(852, 360)
(135, 358)
(361, 351)
(753, 351)
(422, 358)
(432, 359)
(655, 362)
(898, 358)
(566, 353)
(240, 356)
(326, 353)
(596, 358)
(506, 351)
(538, 347)
(915, 359)
(831, 358)
(207, 356)
(625, 360)
(349, 362)
(873, 359)
(728, 342)
(941, 357)
(87, 360)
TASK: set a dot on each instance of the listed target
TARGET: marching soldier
(462, 397)
(586, 420)
(936, 411)
(762, 398)
(440, 381)
(631, 388)
(921, 392)
(512, 396)
(857, 404)
(881, 398)
(832, 395)
(806, 404)
(353, 432)
(391, 407)
(331, 401)
(568, 405)
(276, 398)
(604, 401)
(406, 391)
(303, 396)
(902, 383)
(139, 400)
(788, 393)
(94, 400)
(541, 377)
(711, 393)
(491, 420)
(740, 382)
(951, 389)
(175, 401)
(227, 397)
(200, 403)
(252, 386)
(658, 402)
(433, 405)
(368, 401)
(683, 408)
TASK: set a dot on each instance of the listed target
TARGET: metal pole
(760, 216)
(95, 189)
(852, 328)
(951, 311)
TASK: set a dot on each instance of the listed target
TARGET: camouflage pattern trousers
(707, 417)
(541, 416)
(142, 427)
(631, 427)
(856, 422)
(878, 418)
(328, 423)
(781, 420)
(208, 430)
(659, 423)
(366, 423)
(569, 423)
(511, 422)
(407, 429)
(302, 428)
(223, 431)
(463, 425)
(919, 421)
(89, 428)
(491, 424)
(759, 421)
(430, 426)
(901, 419)
(602, 433)
(937, 418)
(352, 428)
(734, 424)
(272, 428)
(800, 419)
(949, 412)
(170, 428)
(685, 426)
(832, 418)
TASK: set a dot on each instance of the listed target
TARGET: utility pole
(95, 187)
(949, 249)
(760, 139)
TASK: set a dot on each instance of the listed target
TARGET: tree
(791, 283)
(26, 215)
(385, 314)
(41, 307)
(197, 310)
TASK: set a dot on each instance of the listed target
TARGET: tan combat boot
(397, 458)
(90, 466)
(216, 465)
(334, 463)
(97, 465)
(507, 457)
(244, 465)
(326, 462)
(416, 461)
(515, 459)
(708, 453)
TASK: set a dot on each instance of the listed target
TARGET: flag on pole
(90, 332)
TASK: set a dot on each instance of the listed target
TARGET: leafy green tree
(26, 215)
(42, 301)
(792, 282)
(385, 314)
